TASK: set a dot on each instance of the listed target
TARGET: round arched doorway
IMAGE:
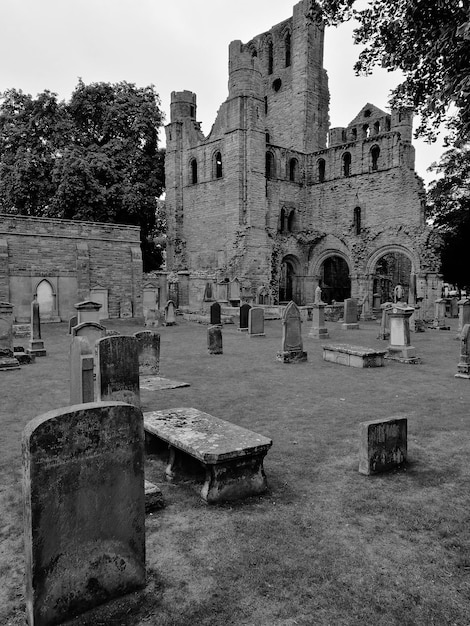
(45, 297)
(288, 281)
(335, 280)
(391, 269)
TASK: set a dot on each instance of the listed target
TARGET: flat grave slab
(232, 456)
(354, 356)
(157, 383)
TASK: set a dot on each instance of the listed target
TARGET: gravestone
(117, 369)
(214, 340)
(384, 332)
(464, 314)
(256, 322)
(7, 359)
(125, 309)
(463, 368)
(440, 314)
(84, 509)
(244, 312)
(292, 345)
(81, 371)
(400, 348)
(36, 344)
(215, 318)
(148, 349)
(170, 317)
(150, 319)
(383, 445)
(88, 311)
(454, 308)
(350, 314)
(92, 331)
(318, 330)
(73, 321)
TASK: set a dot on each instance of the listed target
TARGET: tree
(449, 210)
(94, 158)
(429, 41)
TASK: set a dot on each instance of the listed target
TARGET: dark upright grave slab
(292, 345)
(36, 344)
(117, 369)
(82, 387)
(84, 509)
(244, 312)
(383, 445)
(350, 315)
(148, 348)
(73, 321)
(215, 315)
(214, 340)
(256, 322)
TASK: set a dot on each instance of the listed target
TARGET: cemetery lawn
(326, 545)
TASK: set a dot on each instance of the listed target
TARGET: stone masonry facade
(67, 260)
(273, 195)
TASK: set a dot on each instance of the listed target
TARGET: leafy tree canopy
(93, 158)
(429, 41)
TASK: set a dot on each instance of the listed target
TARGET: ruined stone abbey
(274, 202)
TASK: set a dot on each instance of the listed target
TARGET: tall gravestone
(440, 314)
(350, 314)
(117, 369)
(215, 317)
(318, 330)
(36, 344)
(292, 345)
(84, 509)
(7, 359)
(464, 314)
(214, 340)
(400, 348)
(256, 322)
(463, 368)
(82, 387)
(148, 348)
(384, 332)
(92, 331)
(170, 316)
(244, 312)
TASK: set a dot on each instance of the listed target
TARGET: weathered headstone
(318, 330)
(117, 369)
(383, 445)
(463, 368)
(84, 509)
(292, 345)
(244, 312)
(150, 318)
(88, 311)
(7, 359)
(464, 314)
(92, 331)
(400, 348)
(440, 314)
(36, 344)
(256, 322)
(384, 332)
(214, 340)
(148, 348)
(73, 321)
(170, 317)
(125, 309)
(454, 307)
(81, 371)
(215, 318)
(350, 314)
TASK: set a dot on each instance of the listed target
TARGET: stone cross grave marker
(84, 521)
(148, 348)
(117, 369)
(244, 312)
(7, 359)
(214, 340)
(82, 386)
(292, 345)
(36, 345)
(170, 317)
(215, 318)
(350, 314)
(256, 322)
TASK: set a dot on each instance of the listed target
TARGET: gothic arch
(390, 248)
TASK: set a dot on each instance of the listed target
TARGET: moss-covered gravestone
(84, 508)
(117, 369)
(148, 348)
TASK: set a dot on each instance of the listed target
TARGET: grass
(326, 545)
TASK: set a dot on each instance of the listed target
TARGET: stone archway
(289, 280)
(335, 279)
(392, 268)
(46, 299)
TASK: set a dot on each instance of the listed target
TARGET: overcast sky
(172, 44)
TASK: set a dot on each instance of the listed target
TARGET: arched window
(268, 138)
(293, 170)
(218, 165)
(287, 45)
(365, 130)
(343, 135)
(270, 165)
(357, 220)
(290, 221)
(374, 153)
(354, 134)
(270, 57)
(387, 124)
(282, 221)
(377, 127)
(265, 104)
(193, 171)
(321, 170)
(346, 164)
